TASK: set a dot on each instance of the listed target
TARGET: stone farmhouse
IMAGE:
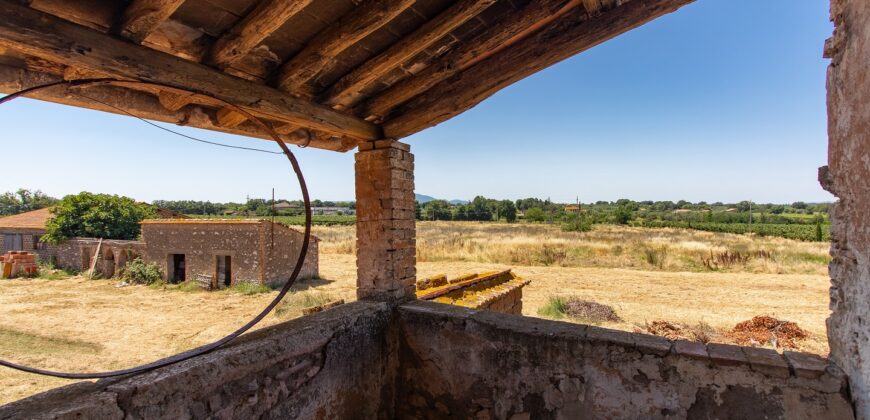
(219, 253)
(346, 75)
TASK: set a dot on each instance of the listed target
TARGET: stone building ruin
(342, 75)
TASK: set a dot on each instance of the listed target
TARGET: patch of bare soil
(589, 310)
(764, 330)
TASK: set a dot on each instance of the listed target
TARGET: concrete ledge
(298, 369)
(480, 364)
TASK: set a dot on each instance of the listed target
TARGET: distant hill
(423, 199)
(459, 202)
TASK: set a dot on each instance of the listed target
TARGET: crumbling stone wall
(78, 254)
(848, 177)
(249, 244)
(479, 364)
(283, 251)
(429, 360)
(336, 364)
(493, 291)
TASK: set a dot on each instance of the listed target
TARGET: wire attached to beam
(259, 317)
(176, 132)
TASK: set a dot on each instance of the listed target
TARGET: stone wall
(495, 291)
(848, 177)
(282, 253)
(78, 254)
(29, 241)
(248, 243)
(479, 364)
(333, 365)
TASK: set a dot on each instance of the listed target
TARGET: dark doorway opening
(224, 270)
(177, 273)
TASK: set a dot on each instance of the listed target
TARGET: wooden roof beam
(465, 55)
(349, 90)
(141, 17)
(567, 36)
(256, 26)
(42, 35)
(295, 75)
(113, 99)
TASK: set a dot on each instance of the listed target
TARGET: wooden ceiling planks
(265, 19)
(568, 35)
(142, 17)
(387, 67)
(318, 55)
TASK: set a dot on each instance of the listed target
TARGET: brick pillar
(385, 231)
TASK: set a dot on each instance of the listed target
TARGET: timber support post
(385, 224)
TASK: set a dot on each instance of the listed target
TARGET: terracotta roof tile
(35, 219)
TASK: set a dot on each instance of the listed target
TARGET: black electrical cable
(176, 132)
(223, 341)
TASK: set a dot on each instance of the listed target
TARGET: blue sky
(723, 100)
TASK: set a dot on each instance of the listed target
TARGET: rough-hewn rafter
(565, 37)
(113, 99)
(347, 91)
(45, 36)
(266, 18)
(142, 17)
(320, 52)
(465, 55)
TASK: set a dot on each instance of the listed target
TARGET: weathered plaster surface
(848, 177)
(335, 364)
(479, 364)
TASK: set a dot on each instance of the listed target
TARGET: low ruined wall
(479, 364)
(848, 177)
(335, 364)
(78, 254)
(494, 291)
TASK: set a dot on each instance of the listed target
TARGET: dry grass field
(645, 275)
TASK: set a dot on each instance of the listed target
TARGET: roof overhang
(325, 73)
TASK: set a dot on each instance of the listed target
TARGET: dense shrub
(141, 272)
(577, 223)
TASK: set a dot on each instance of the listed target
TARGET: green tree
(479, 209)
(24, 200)
(535, 214)
(437, 210)
(507, 210)
(96, 216)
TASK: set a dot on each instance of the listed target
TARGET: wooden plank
(174, 101)
(144, 105)
(319, 54)
(261, 22)
(45, 36)
(465, 55)
(141, 17)
(567, 36)
(229, 118)
(349, 89)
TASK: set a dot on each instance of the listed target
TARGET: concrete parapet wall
(478, 364)
(334, 364)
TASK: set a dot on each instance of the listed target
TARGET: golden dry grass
(81, 325)
(606, 246)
